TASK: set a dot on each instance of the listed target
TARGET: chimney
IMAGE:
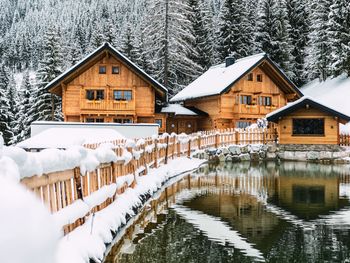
(230, 61)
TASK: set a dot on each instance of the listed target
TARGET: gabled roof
(178, 109)
(106, 47)
(301, 103)
(219, 79)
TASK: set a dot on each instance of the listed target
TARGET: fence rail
(61, 189)
(344, 139)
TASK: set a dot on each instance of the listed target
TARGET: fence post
(237, 137)
(155, 153)
(166, 150)
(216, 140)
(199, 142)
(189, 149)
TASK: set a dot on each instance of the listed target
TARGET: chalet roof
(108, 47)
(334, 92)
(178, 109)
(218, 79)
(301, 103)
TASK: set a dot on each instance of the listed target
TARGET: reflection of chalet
(237, 93)
(306, 121)
(107, 87)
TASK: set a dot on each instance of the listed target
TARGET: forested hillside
(173, 40)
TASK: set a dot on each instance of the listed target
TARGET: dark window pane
(250, 77)
(102, 70)
(308, 126)
(90, 95)
(99, 120)
(118, 95)
(127, 95)
(246, 99)
(100, 94)
(115, 70)
(127, 121)
(259, 78)
(90, 120)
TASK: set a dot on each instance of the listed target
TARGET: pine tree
(298, 17)
(318, 50)
(23, 117)
(168, 41)
(272, 36)
(12, 97)
(234, 30)
(49, 68)
(201, 44)
(339, 34)
(5, 113)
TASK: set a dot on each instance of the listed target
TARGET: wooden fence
(61, 189)
(344, 139)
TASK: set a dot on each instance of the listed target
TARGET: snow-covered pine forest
(175, 41)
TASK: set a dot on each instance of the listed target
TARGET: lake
(288, 212)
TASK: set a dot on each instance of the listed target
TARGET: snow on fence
(73, 194)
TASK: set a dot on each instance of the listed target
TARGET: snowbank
(88, 241)
(28, 232)
(68, 137)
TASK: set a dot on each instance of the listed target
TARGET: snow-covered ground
(39, 236)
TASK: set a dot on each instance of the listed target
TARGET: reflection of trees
(179, 242)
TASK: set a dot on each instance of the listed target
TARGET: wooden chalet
(307, 121)
(107, 87)
(237, 93)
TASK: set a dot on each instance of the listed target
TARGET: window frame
(123, 120)
(123, 96)
(308, 134)
(264, 99)
(102, 72)
(259, 78)
(246, 101)
(250, 77)
(115, 72)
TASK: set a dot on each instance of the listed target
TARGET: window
(122, 120)
(259, 78)
(122, 94)
(95, 94)
(265, 101)
(250, 77)
(94, 120)
(308, 127)
(90, 94)
(242, 124)
(100, 94)
(246, 99)
(102, 70)
(115, 70)
(159, 122)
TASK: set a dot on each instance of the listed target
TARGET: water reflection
(293, 212)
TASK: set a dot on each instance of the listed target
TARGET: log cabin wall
(140, 107)
(227, 109)
(331, 128)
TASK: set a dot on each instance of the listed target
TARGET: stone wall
(274, 152)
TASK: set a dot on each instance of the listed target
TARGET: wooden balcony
(107, 105)
(253, 109)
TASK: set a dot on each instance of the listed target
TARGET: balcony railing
(107, 105)
(253, 109)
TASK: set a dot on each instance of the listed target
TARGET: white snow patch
(178, 109)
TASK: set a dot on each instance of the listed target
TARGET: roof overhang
(55, 86)
(305, 102)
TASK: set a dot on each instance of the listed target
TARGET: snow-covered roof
(219, 78)
(119, 55)
(66, 137)
(178, 109)
(334, 92)
(290, 107)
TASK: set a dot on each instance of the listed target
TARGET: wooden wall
(74, 92)
(225, 110)
(286, 129)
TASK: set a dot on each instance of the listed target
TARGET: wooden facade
(308, 122)
(107, 87)
(259, 91)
